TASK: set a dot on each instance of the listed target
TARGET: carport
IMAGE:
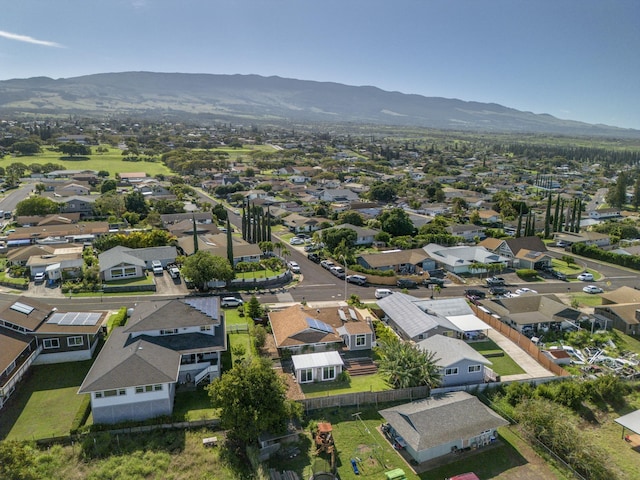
(631, 421)
(469, 323)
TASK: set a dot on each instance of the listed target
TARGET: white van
(383, 292)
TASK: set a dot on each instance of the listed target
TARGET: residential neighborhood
(420, 283)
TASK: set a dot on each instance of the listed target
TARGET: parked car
(558, 275)
(156, 266)
(174, 271)
(586, 277)
(433, 281)
(303, 236)
(231, 302)
(383, 292)
(338, 271)
(592, 289)
(296, 241)
(498, 290)
(495, 281)
(406, 283)
(475, 293)
(294, 267)
(522, 290)
(39, 277)
(327, 264)
(357, 279)
(314, 257)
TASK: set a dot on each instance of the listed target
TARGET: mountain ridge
(273, 99)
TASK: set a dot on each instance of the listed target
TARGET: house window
(306, 375)
(129, 271)
(205, 328)
(157, 388)
(170, 331)
(361, 340)
(148, 388)
(451, 371)
(98, 395)
(139, 389)
(328, 373)
(51, 343)
(122, 392)
(75, 341)
(474, 368)
(110, 393)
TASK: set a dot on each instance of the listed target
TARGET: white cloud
(27, 39)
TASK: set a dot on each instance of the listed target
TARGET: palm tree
(406, 365)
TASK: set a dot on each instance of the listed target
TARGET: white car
(39, 277)
(383, 292)
(156, 266)
(327, 264)
(592, 289)
(357, 279)
(296, 241)
(586, 277)
(231, 302)
(522, 290)
(338, 271)
(294, 267)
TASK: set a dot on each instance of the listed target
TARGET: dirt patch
(294, 392)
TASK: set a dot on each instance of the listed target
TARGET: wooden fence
(521, 340)
(364, 398)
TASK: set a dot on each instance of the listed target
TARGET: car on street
(294, 267)
(495, 281)
(498, 290)
(382, 292)
(522, 290)
(39, 277)
(406, 283)
(475, 293)
(327, 264)
(433, 281)
(338, 271)
(592, 289)
(296, 241)
(227, 302)
(357, 279)
(585, 277)
(314, 257)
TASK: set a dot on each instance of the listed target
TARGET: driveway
(165, 285)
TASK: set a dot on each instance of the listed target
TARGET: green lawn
(359, 383)
(501, 365)
(45, 403)
(110, 161)
(194, 405)
(146, 280)
(586, 299)
(259, 274)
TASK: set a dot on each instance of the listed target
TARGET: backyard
(501, 363)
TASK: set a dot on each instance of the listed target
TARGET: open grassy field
(110, 161)
(45, 403)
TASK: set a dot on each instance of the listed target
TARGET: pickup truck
(495, 281)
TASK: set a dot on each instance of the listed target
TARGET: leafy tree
(252, 400)
(73, 148)
(26, 147)
(406, 365)
(351, 217)
(18, 461)
(382, 192)
(37, 206)
(202, 267)
(135, 202)
(108, 185)
(110, 203)
(164, 206)
(334, 236)
(219, 211)
(396, 222)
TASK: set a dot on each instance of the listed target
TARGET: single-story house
(365, 236)
(442, 424)
(124, 262)
(299, 329)
(604, 213)
(489, 216)
(585, 237)
(317, 367)
(78, 232)
(464, 259)
(164, 343)
(532, 259)
(459, 363)
(468, 232)
(400, 261)
(296, 223)
(511, 247)
(621, 316)
(533, 312)
(216, 244)
(82, 204)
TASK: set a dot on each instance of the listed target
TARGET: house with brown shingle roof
(620, 309)
(532, 259)
(299, 328)
(510, 247)
(406, 261)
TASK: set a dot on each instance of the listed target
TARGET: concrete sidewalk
(532, 368)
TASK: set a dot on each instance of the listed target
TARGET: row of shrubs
(591, 251)
(370, 271)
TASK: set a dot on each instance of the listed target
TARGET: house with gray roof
(364, 236)
(164, 344)
(459, 363)
(464, 259)
(123, 262)
(442, 424)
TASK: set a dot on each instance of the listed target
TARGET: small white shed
(317, 367)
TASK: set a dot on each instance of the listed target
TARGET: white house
(317, 367)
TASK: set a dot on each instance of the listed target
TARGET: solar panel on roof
(74, 318)
(318, 325)
(343, 317)
(22, 308)
(532, 254)
(353, 315)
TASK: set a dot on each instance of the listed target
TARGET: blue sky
(574, 59)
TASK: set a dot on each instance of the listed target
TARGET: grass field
(110, 161)
(45, 403)
(360, 383)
